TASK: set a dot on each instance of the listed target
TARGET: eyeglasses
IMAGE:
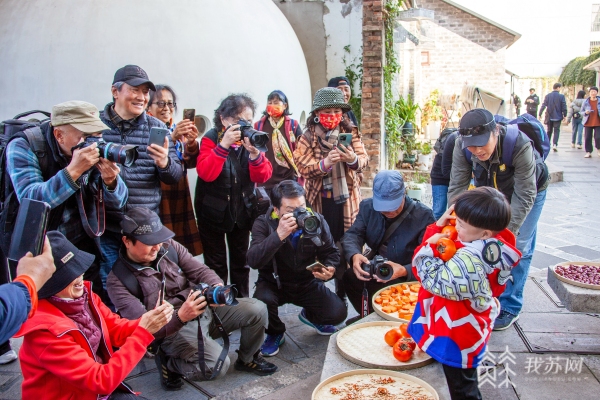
(474, 131)
(162, 104)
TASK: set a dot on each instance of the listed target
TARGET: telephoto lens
(218, 294)
(258, 139)
(119, 153)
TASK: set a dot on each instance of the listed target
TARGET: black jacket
(143, 177)
(442, 163)
(556, 104)
(533, 107)
(369, 228)
(291, 263)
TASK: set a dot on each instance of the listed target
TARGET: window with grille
(594, 46)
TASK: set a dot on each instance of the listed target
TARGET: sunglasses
(474, 131)
(162, 104)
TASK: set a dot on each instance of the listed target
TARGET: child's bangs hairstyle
(484, 208)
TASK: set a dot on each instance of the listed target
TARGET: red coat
(57, 361)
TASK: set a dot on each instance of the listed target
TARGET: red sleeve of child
(211, 159)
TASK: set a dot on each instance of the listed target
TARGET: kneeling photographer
(152, 265)
(392, 225)
(286, 242)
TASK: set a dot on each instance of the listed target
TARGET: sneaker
(579, 146)
(325, 330)
(8, 357)
(572, 145)
(588, 155)
(271, 345)
(169, 380)
(504, 320)
(258, 365)
(598, 152)
(554, 147)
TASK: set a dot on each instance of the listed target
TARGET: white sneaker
(599, 152)
(8, 357)
(579, 146)
(572, 145)
(588, 155)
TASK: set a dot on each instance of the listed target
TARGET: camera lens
(122, 154)
(311, 224)
(384, 271)
(259, 139)
(223, 295)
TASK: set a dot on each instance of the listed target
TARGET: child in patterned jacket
(457, 302)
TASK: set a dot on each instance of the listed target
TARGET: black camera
(218, 294)
(309, 223)
(378, 267)
(124, 154)
(258, 139)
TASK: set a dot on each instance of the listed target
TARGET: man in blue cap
(392, 225)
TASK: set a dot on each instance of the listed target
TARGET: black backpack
(440, 143)
(31, 131)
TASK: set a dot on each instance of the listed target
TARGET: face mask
(275, 110)
(330, 121)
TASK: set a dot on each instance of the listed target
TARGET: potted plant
(431, 116)
(424, 156)
(407, 112)
(416, 185)
(409, 148)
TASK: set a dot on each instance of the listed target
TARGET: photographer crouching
(286, 242)
(392, 225)
(151, 264)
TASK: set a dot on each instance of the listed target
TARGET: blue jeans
(512, 298)
(577, 130)
(440, 200)
(110, 243)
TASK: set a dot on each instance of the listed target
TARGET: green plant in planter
(420, 178)
(409, 146)
(431, 111)
(407, 111)
(426, 148)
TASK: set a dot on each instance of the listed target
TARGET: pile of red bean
(581, 273)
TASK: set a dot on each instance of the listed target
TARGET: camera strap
(221, 360)
(392, 228)
(364, 310)
(100, 217)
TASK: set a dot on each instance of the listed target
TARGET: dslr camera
(258, 139)
(124, 154)
(218, 295)
(310, 225)
(378, 267)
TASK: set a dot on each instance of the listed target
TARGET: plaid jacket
(24, 170)
(308, 155)
(176, 210)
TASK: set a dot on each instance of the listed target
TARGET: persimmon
(450, 230)
(446, 248)
(452, 221)
(404, 331)
(402, 351)
(409, 342)
(392, 336)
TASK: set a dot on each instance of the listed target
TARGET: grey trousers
(250, 315)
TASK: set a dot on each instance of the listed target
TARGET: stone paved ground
(567, 231)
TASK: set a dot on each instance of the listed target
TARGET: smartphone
(30, 229)
(344, 140)
(317, 266)
(189, 113)
(163, 288)
(157, 136)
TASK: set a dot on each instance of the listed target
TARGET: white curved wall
(59, 50)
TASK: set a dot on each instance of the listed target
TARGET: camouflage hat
(329, 98)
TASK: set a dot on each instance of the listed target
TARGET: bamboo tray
(364, 344)
(379, 311)
(571, 281)
(404, 383)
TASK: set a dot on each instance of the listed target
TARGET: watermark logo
(536, 368)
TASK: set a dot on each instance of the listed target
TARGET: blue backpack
(536, 133)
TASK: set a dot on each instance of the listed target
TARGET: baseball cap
(81, 115)
(144, 225)
(388, 191)
(133, 76)
(476, 127)
(338, 81)
(70, 262)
